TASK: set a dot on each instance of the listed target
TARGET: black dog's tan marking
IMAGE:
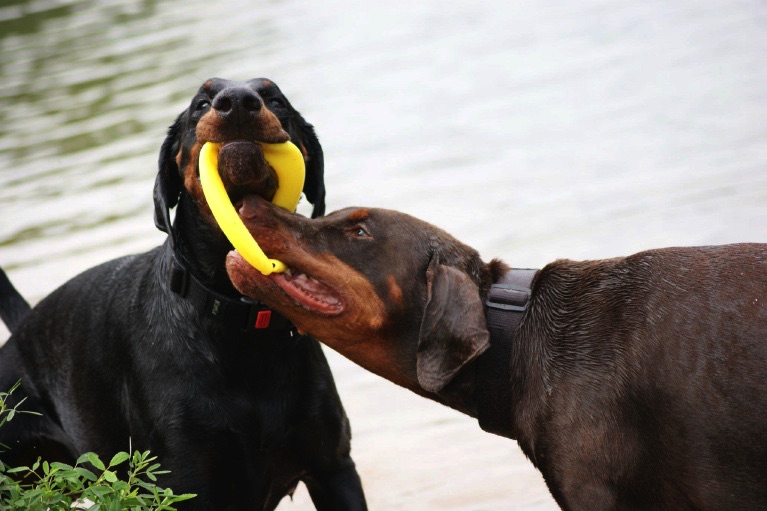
(635, 383)
(240, 116)
(158, 351)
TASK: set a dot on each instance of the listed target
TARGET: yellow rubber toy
(288, 163)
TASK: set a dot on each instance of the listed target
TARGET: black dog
(633, 383)
(158, 351)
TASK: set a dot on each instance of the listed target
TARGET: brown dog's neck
(484, 388)
(460, 394)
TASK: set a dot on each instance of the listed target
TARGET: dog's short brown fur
(637, 382)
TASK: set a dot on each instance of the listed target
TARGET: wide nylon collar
(506, 304)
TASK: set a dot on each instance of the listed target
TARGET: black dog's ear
(453, 330)
(314, 185)
(168, 184)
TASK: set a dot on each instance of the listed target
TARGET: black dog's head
(239, 115)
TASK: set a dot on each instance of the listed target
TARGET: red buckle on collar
(263, 318)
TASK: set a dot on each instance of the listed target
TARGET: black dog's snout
(237, 101)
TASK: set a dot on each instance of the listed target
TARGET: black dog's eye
(275, 103)
(202, 105)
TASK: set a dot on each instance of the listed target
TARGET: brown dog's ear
(453, 330)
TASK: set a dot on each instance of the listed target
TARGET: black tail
(13, 306)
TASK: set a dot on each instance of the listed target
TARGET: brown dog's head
(396, 295)
(239, 115)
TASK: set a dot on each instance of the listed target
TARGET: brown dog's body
(636, 383)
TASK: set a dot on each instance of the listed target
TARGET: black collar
(239, 313)
(506, 303)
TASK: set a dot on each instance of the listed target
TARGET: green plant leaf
(118, 458)
(94, 459)
(85, 474)
(98, 491)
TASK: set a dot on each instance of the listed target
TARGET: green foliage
(6, 413)
(89, 485)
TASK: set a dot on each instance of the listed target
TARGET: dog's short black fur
(117, 359)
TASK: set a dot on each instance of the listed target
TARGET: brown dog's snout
(237, 104)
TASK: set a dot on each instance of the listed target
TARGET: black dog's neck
(196, 255)
(201, 249)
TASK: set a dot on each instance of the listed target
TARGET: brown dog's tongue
(241, 164)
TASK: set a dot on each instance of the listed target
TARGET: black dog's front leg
(339, 490)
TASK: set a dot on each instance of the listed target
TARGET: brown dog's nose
(237, 103)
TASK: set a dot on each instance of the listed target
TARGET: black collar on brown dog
(506, 303)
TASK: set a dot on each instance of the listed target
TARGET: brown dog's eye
(359, 231)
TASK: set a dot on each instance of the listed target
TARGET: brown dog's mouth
(301, 289)
(309, 292)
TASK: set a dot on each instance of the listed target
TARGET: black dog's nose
(237, 101)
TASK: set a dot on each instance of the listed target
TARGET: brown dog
(631, 383)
